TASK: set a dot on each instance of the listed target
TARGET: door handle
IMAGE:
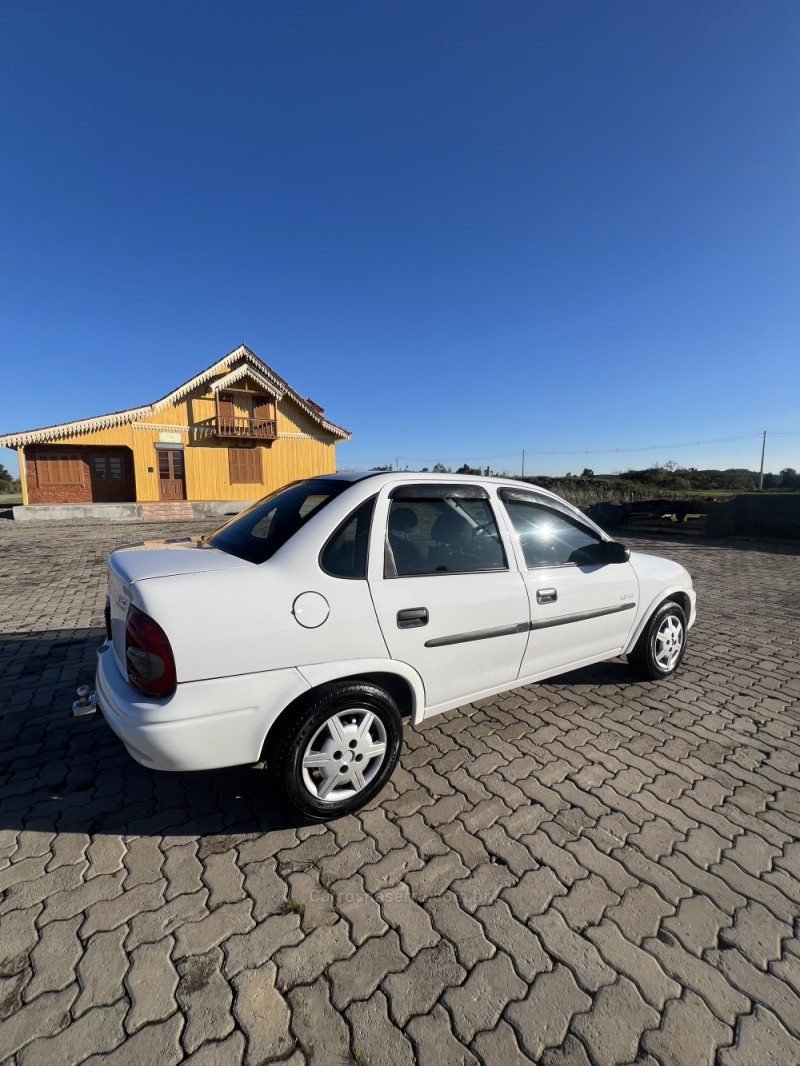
(546, 595)
(412, 618)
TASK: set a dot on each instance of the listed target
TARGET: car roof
(390, 477)
(379, 478)
(346, 475)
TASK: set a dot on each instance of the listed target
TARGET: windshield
(257, 533)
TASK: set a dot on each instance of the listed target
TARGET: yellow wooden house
(234, 432)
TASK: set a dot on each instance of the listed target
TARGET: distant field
(9, 501)
(718, 494)
(585, 494)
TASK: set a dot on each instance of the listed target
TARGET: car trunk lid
(152, 560)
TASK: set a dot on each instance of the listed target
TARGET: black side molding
(581, 616)
(523, 627)
(478, 634)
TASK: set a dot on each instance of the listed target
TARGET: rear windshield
(257, 533)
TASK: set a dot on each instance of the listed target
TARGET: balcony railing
(248, 428)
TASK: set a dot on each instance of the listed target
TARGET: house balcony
(246, 428)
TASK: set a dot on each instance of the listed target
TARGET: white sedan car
(306, 629)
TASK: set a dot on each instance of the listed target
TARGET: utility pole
(761, 472)
(523, 463)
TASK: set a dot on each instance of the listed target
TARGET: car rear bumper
(205, 725)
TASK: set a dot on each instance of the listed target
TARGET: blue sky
(464, 228)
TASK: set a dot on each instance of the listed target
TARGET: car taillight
(148, 654)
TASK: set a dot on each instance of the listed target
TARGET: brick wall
(57, 493)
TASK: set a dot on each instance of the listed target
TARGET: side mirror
(602, 553)
(617, 553)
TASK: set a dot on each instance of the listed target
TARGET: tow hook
(85, 704)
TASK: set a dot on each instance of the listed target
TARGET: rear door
(578, 612)
(449, 597)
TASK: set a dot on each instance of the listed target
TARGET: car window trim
(443, 493)
(523, 496)
(507, 496)
(426, 490)
(450, 573)
(344, 577)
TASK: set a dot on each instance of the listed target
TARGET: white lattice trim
(162, 427)
(245, 371)
(71, 429)
(304, 436)
(222, 366)
(260, 372)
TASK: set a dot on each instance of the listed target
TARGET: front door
(579, 613)
(171, 477)
(448, 597)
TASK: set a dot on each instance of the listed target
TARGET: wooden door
(110, 477)
(264, 417)
(262, 407)
(171, 477)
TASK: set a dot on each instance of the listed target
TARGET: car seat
(408, 556)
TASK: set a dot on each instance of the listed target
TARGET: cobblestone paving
(588, 871)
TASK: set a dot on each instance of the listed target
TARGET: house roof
(227, 366)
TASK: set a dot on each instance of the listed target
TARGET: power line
(533, 452)
(590, 451)
(652, 447)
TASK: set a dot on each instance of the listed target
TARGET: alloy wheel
(344, 755)
(668, 642)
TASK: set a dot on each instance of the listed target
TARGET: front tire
(339, 751)
(659, 650)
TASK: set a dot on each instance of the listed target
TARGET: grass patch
(293, 906)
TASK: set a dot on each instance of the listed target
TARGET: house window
(107, 467)
(244, 465)
(59, 469)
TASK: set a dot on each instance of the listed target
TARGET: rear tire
(336, 753)
(659, 650)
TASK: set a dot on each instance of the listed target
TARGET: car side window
(442, 534)
(345, 554)
(548, 537)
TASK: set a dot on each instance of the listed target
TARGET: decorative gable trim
(245, 371)
(71, 429)
(225, 368)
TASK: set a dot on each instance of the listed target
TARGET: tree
(587, 472)
(6, 481)
(440, 468)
